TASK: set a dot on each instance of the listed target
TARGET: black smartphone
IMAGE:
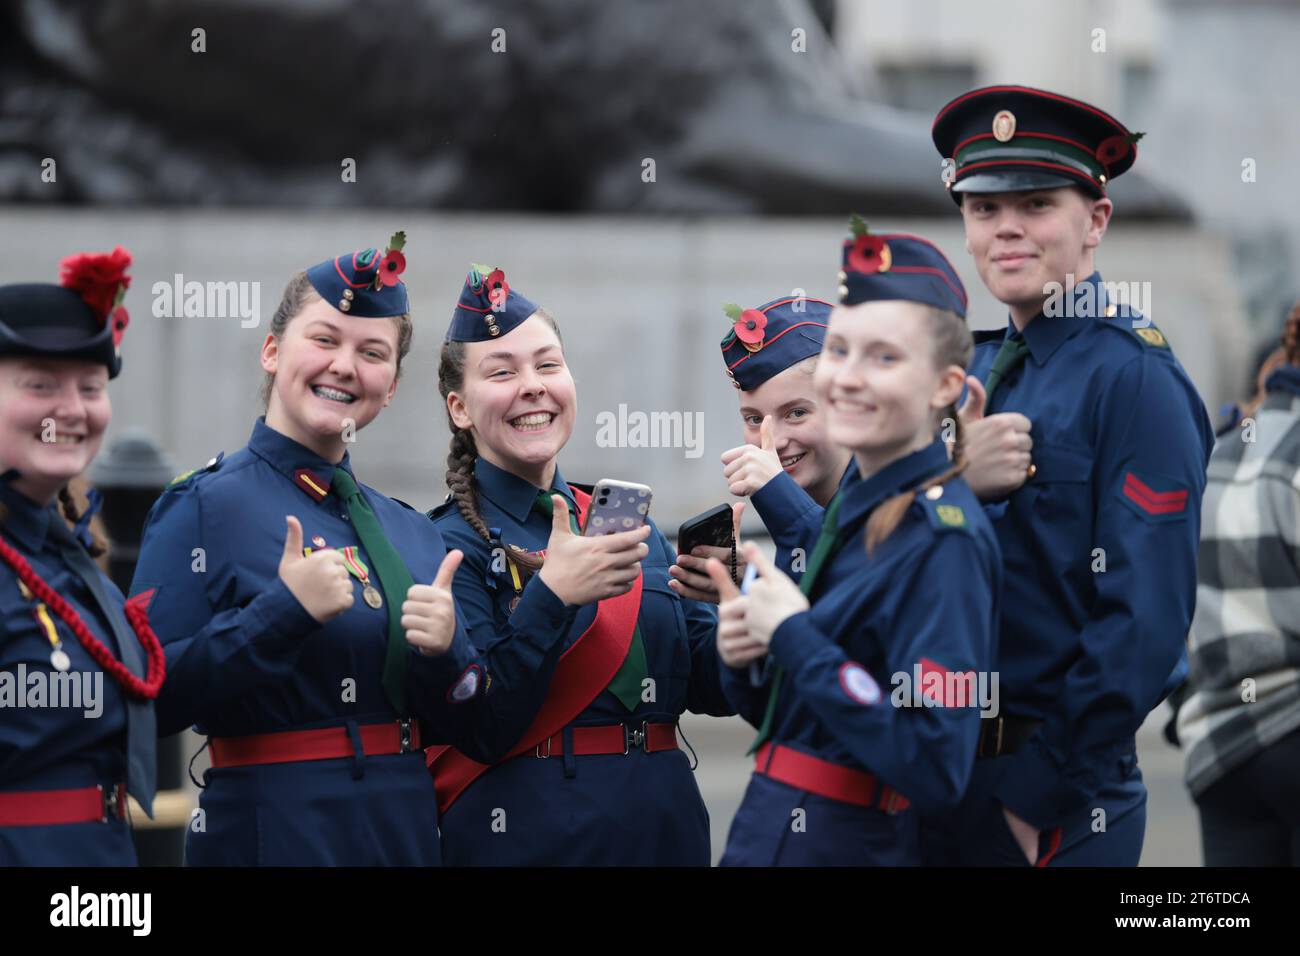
(712, 528)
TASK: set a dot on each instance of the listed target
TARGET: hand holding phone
(707, 535)
(617, 506)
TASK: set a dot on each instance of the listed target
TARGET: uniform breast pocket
(1060, 492)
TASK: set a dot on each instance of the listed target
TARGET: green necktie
(1013, 352)
(394, 580)
(627, 683)
(828, 542)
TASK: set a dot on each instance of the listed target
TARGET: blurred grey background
(767, 123)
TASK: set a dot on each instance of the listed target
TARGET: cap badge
(1004, 125)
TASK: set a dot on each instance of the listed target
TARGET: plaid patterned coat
(1245, 643)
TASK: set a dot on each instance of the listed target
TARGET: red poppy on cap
(391, 267)
(497, 288)
(869, 255)
(120, 319)
(750, 326)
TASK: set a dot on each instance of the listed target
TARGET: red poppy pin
(498, 289)
(1114, 148)
(393, 264)
(868, 254)
(748, 325)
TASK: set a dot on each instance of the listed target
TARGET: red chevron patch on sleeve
(945, 687)
(143, 599)
(1151, 501)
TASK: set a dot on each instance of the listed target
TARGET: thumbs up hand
(972, 410)
(773, 597)
(429, 613)
(582, 570)
(736, 646)
(998, 448)
(747, 467)
(319, 581)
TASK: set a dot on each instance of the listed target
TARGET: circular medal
(59, 660)
(372, 596)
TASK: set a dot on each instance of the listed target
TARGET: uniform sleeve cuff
(443, 670)
(279, 615)
(541, 617)
(795, 641)
(781, 502)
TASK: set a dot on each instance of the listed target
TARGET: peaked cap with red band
(1016, 138)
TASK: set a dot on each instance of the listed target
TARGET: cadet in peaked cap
(1093, 461)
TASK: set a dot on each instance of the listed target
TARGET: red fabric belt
(611, 739)
(39, 808)
(806, 772)
(327, 743)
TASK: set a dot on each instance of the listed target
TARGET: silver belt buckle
(112, 806)
(404, 728)
(635, 738)
(537, 751)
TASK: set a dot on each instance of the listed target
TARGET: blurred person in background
(1240, 724)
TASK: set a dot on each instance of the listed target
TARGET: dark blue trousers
(1107, 832)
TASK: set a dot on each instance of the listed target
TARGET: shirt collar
(861, 497)
(1045, 334)
(28, 522)
(311, 473)
(512, 494)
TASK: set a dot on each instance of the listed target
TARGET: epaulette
(944, 513)
(212, 465)
(1137, 324)
(438, 511)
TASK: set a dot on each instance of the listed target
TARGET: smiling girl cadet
(787, 467)
(78, 669)
(596, 776)
(317, 705)
(902, 584)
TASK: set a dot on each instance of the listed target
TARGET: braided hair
(72, 514)
(463, 454)
(953, 345)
